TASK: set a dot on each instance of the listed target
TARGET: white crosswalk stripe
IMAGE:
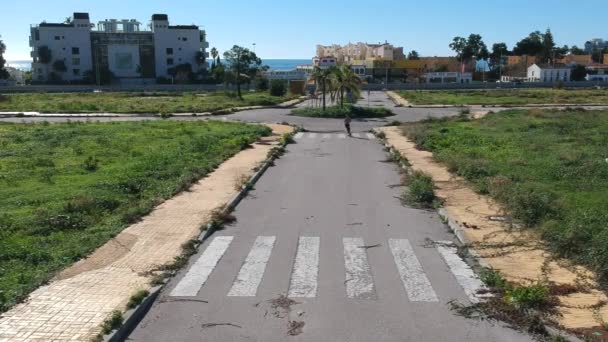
(305, 269)
(465, 276)
(312, 135)
(304, 279)
(196, 277)
(370, 136)
(342, 136)
(415, 281)
(251, 274)
(356, 135)
(299, 135)
(326, 136)
(359, 280)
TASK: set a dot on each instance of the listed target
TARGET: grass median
(548, 168)
(66, 189)
(135, 103)
(505, 97)
(336, 112)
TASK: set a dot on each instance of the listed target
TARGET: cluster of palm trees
(337, 81)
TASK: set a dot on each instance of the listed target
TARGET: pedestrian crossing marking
(370, 136)
(312, 135)
(359, 280)
(299, 135)
(199, 272)
(468, 280)
(252, 271)
(417, 285)
(356, 135)
(305, 272)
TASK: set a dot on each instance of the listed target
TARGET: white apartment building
(537, 73)
(361, 51)
(75, 50)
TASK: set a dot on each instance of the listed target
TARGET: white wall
(184, 42)
(61, 49)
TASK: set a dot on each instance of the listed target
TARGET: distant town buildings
(548, 73)
(449, 77)
(74, 51)
(361, 51)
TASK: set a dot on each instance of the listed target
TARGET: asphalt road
(376, 98)
(324, 227)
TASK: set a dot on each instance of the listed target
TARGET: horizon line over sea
(273, 64)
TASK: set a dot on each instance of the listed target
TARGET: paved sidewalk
(74, 305)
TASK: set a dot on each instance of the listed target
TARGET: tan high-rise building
(361, 51)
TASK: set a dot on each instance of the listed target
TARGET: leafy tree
(575, 50)
(200, 58)
(458, 45)
(278, 87)
(442, 68)
(548, 52)
(242, 64)
(413, 55)
(499, 51)
(44, 55)
(598, 55)
(261, 84)
(578, 73)
(3, 72)
(531, 45)
(468, 48)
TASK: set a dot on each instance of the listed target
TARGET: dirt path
(74, 305)
(518, 255)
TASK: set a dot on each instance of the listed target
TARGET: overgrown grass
(136, 103)
(548, 168)
(66, 189)
(420, 190)
(339, 112)
(505, 96)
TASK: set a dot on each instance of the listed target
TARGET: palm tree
(321, 76)
(345, 80)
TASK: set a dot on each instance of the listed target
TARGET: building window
(169, 51)
(75, 51)
(75, 61)
(57, 37)
(169, 61)
(76, 72)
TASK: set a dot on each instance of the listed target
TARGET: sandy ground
(518, 255)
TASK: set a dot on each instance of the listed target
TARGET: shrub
(113, 322)
(527, 297)
(137, 298)
(421, 189)
(531, 205)
(90, 164)
(278, 88)
(261, 84)
(493, 279)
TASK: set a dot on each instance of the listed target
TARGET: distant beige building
(361, 51)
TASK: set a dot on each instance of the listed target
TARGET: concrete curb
(224, 111)
(134, 316)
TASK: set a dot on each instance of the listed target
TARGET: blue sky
(291, 29)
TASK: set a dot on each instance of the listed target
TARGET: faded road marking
(417, 285)
(251, 273)
(305, 269)
(196, 277)
(370, 136)
(464, 274)
(359, 281)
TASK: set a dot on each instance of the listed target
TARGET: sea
(273, 64)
